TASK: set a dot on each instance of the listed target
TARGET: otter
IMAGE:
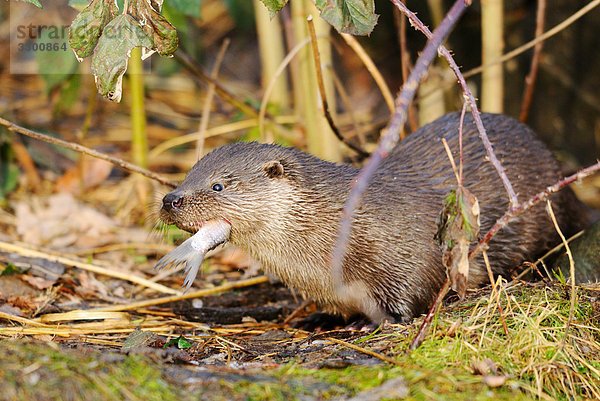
(283, 206)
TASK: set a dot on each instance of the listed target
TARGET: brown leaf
(37, 282)
(458, 226)
(86, 174)
(495, 380)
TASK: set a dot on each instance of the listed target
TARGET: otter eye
(217, 187)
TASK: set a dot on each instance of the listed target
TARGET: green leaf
(189, 7)
(87, 26)
(274, 5)
(179, 342)
(111, 55)
(11, 269)
(356, 17)
(34, 2)
(163, 34)
(79, 5)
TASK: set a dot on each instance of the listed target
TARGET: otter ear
(274, 169)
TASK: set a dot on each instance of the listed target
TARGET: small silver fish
(192, 251)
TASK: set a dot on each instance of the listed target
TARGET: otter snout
(172, 200)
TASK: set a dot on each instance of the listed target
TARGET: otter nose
(172, 200)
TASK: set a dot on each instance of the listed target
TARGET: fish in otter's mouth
(208, 236)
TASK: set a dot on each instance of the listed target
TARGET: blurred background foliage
(172, 100)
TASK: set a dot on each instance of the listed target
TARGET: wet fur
(284, 206)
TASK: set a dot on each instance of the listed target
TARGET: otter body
(284, 207)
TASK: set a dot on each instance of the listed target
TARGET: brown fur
(284, 206)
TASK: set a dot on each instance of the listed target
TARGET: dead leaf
(88, 173)
(484, 367)
(37, 282)
(494, 380)
(458, 226)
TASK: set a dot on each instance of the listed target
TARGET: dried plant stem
(540, 20)
(416, 342)
(139, 139)
(492, 82)
(372, 68)
(365, 351)
(584, 10)
(269, 89)
(321, 86)
(198, 73)
(215, 131)
(495, 287)
(194, 294)
(522, 207)
(272, 51)
(210, 94)
(86, 266)
(339, 86)
(82, 149)
(571, 270)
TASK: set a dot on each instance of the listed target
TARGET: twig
(198, 73)
(535, 62)
(571, 269)
(82, 149)
(321, 86)
(365, 351)
(416, 342)
(339, 86)
(194, 294)
(372, 68)
(400, 20)
(389, 137)
(22, 320)
(214, 131)
(265, 98)
(210, 94)
(452, 163)
(495, 290)
(86, 266)
(469, 98)
(522, 207)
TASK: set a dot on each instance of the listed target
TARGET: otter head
(246, 184)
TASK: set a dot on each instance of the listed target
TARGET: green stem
(139, 140)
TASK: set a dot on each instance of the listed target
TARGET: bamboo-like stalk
(492, 82)
(319, 138)
(432, 106)
(330, 145)
(272, 52)
(139, 140)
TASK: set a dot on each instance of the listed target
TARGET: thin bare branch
(526, 205)
(390, 136)
(470, 99)
(82, 149)
(210, 93)
(540, 20)
(321, 86)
